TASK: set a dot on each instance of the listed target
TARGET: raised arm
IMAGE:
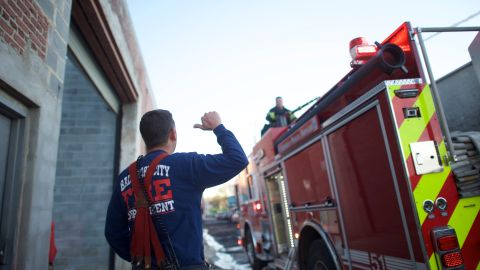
(212, 170)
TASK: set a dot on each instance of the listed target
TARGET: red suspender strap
(150, 171)
(144, 235)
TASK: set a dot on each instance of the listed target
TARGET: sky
(235, 57)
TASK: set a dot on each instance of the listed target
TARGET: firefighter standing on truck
(278, 116)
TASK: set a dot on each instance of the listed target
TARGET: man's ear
(173, 134)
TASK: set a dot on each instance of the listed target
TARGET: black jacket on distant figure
(279, 117)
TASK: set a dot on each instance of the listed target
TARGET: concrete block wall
(460, 94)
(85, 173)
(33, 46)
(119, 19)
(474, 50)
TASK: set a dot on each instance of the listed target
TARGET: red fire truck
(363, 179)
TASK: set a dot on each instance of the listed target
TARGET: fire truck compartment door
(426, 157)
(372, 214)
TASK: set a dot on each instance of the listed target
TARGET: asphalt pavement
(221, 248)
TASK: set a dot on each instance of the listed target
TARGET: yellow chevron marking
(428, 189)
(391, 91)
(433, 262)
(463, 217)
(411, 129)
(430, 185)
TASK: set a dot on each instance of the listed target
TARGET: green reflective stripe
(272, 115)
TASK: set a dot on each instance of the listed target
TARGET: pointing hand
(210, 121)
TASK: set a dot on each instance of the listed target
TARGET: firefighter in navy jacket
(177, 186)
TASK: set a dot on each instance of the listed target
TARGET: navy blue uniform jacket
(177, 187)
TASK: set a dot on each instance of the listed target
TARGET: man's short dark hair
(155, 127)
(279, 97)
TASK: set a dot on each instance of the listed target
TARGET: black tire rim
(319, 265)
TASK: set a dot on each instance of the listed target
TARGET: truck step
(286, 262)
(278, 263)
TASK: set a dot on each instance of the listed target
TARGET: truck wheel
(255, 262)
(318, 257)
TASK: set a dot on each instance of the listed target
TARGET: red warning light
(361, 51)
(258, 206)
(452, 259)
(449, 242)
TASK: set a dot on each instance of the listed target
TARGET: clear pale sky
(235, 57)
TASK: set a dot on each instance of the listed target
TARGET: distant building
(72, 90)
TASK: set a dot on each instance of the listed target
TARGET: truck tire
(318, 257)
(255, 262)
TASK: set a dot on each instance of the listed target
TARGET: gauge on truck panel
(441, 203)
(428, 206)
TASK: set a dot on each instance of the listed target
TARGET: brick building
(72, 89)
